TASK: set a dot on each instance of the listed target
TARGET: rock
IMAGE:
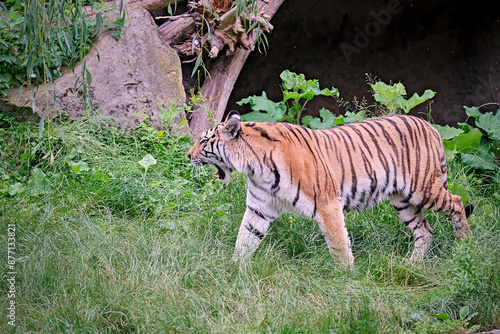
(150, 5)
(134, 77)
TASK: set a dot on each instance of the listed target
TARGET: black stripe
(258, 213)
(408, 127)
(315, 158)
(290, 128)
(255, 232)
(342, 170)
(250, 147)
(315, 203)
(363, 141)
(258, 186)
(276, 173)
(264, 134)
(344, 131)
(386, 134)
(297, 196)
(401, 208)
(408, 222)
(255, 196)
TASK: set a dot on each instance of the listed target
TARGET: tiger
(319, 174)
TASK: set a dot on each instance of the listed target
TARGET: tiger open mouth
(223, 174)
(220, 173)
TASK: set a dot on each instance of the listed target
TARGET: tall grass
(111, 250)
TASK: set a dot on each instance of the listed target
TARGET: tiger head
(213, 146)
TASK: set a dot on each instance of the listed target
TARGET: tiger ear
(232, 126)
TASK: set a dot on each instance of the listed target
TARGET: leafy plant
(328, 120)
(297, 91)
(474, 147)
(11, 46)
(38, 37)
(442, 324)
(393, 97)
(170, 113)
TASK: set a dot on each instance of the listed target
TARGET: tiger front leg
(253, 228)
(332, 225)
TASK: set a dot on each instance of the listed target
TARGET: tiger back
(320, 173)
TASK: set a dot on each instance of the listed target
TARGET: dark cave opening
(452, 48)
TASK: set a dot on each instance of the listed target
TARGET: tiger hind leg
(414, 219)
(452, 207)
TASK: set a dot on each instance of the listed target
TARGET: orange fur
(320, 173)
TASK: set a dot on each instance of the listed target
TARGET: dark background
(450, 47)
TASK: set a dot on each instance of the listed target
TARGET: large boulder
(133, 77)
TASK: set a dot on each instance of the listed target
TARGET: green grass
(111, 250)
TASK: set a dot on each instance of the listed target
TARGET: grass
(115, 250)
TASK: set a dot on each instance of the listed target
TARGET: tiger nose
(189, 155)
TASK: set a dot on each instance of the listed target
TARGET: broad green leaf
(5, 76)
(294, 110)
(79, 167)
(292, 80)
(415, 100)
(309, 85)
(351, 117)
(339, 120)
(447, 132)
(99, 175)
(327, 122)
(472, 111)
(147, 161)
(399, 89)
(385, 93)
(329, 92)
(442, 316)
(317, 123)
(327, 116)
(39, 182)
(308, 94)
(450, 154)
(290, 95)
(393, 96)
(15, 189)
(465, 142)
(478, 161)
(258, 103)
(306, 120)
(465, 127)
(257, 116)
(275, 110)
(490, 123)
(457, 189)
(463, 312)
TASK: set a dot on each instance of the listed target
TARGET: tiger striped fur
(320, 173)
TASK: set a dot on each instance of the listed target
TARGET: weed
(104, 246)
(297, 91)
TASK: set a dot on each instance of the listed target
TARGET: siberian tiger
(319, 173)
